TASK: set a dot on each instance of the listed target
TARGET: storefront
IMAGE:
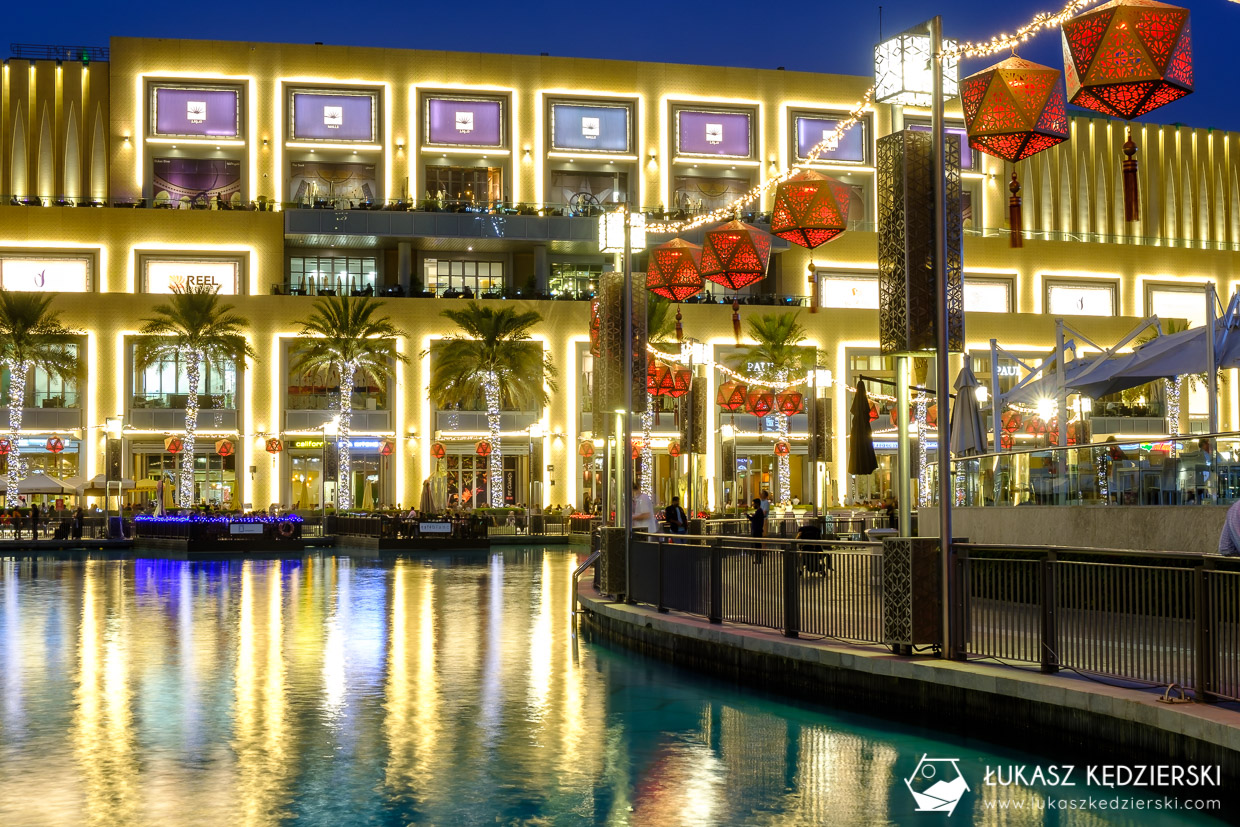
(371, 473)
(38, 453)
(215, 476)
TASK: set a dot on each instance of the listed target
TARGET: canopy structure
(41, 484)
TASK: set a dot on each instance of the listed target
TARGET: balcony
(314, 419)
(476, 421)
(166, 412)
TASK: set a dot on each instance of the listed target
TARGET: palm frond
(344, 329)
(193, 319)
(31, 332)
(778, 348)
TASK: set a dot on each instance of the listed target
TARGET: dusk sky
(826, 37)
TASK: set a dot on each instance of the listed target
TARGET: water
(438, 690)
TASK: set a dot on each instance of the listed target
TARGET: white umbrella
(41, 484)
(968, 430)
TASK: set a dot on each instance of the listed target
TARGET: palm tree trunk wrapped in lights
(31, 336)
(493, 362)
(345, 339)
(195, 328)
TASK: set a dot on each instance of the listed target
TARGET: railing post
(792, 593)
(659, 563)
(1050, 634)
(1203, 621)
(716, 582)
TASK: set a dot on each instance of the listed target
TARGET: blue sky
(825, 37)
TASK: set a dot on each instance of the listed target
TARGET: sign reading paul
(185, 111)
(172, 275)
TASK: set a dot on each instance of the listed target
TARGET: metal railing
(830, 588)
(1159, 618)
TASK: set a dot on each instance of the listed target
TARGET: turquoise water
(338, 690)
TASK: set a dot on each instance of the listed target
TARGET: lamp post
(330, 428)
(113, 471)
(536, 432)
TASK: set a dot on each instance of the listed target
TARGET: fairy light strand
(1042, 21)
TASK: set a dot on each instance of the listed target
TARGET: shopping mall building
(281, 172)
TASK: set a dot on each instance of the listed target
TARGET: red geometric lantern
(789, 402)
(55, 444)
(6, 445)
(1128, 57)
(596, 323)
(225, 448)
(586, 448)
(810, 209)
(1011, 421)
(386, 447)
(675, 382)
(673, 450)
(173, 445)
(1014, 109)
(782, 448)
(437, 451)
(636, 447)
(274, 446)
(483, 448)
(759, 403)
(735, 255)
(654, 378)
(873, 412)
(731, 396)
(674, 270)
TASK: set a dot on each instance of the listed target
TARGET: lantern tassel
(1132, 203)
(813, 291)
(1016, 238)
(736, 320)
(680, 328)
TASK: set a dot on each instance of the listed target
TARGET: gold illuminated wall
(1188, 190)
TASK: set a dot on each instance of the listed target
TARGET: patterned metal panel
(907, 302)
(696, 429)
(911, 593)
(609, 369)
(612, 563)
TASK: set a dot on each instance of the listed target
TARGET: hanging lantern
(782, 448)
(437, 450)
(673, 450)
(735, 255)
(6, 445)
(225, 448)
(173, 444)
(1128, 57)
(731, 396)
(873, 412)
(674, 270)
(635, 448)
(1005, 441)
(386, 447)
(273, 445)
(1014, 109)
(1011, 421)
(55, 444)
(483, 448)
(586, 448)
(736, 320)
(596, 323)
(759, 403)
(789, 402)
(810, 209)
(680, 328)
(654, 378)
(675, 382)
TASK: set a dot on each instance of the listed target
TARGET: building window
(449, 188)
(850, 147)
(321, 392)
(1188, 303)
(43, 390)
(454, 278)
(585, 193)
(215, 477)
(1094, 298)
(694, 194)
(332, 276)
(46, 274)
(573, 279)
(165, 385)
(848, 291)
(987, 295)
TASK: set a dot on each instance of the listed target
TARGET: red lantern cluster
(674, 270)
(173, 444)
(654, 377)
(731, 396)
(782, 448)
(735, 255)
(675, 382)
(673, 450)
(1128, 57)
(483, 448)
(810, 209)
(759, 403)
(585, 449)
(1014, 109)
(225, 448)
(55, 444)
(437, 450)
(274, 446)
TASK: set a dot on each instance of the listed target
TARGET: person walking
(1229, 540)
(757, 527)
(643, 511)
(676, 518)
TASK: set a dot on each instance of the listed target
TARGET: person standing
(34, 521)
(676, 518)
(757, 527)
(766, 501)
(643, 511)
(1229, 540)
(79, 518)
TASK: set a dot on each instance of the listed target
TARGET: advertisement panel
(714, 133)
(186, 182)
(465, 122)
(195, 112)
(172, 275)
(590, 128)
(849, 147)
(334, 116)
(67, 274)
(332, 183)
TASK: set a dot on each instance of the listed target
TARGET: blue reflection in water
(438, 689)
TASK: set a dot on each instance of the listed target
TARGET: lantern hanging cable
(999, 43)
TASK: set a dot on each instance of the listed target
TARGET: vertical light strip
(139, 120)
(277, 144)
(249, 484)
(637, 132)
(572, 404)
(424, 414)
(412, 156)
(89, 444)
(518, 152)
(251, 114)
(389, 158)
(400, 427)
(275, 424)
(513, 160)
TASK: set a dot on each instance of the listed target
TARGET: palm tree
(194, 326)
(493, 360)
(779, 353)
(347, 338)
(660, 330)
(31, 335)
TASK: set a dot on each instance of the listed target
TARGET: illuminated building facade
(281, 172)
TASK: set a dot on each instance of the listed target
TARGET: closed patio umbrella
(426, 504)
(861, 457)
(968, 429)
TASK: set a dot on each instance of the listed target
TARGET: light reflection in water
(338, 690)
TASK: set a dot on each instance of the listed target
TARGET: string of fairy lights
(999, 43)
